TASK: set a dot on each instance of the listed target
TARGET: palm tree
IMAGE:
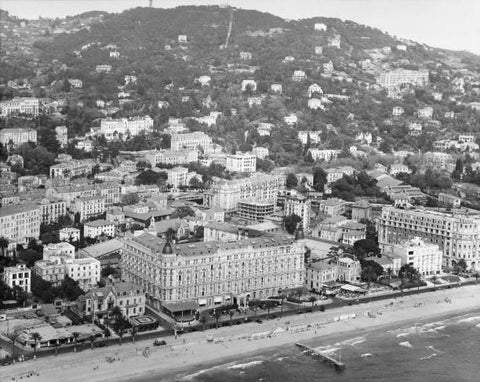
(203, 321)
(92, 339)
(37, 338)
(231, 313)
(217, 317)
(120, 335)
(134, 333)
(13, 337)
(434, 281)
(312, 299)
(116, 312)
(107, 333)
(4, 242)
(369, 274)
(75, 339)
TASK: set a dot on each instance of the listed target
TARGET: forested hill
(206, 28)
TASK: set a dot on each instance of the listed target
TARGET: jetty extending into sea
(324, 356)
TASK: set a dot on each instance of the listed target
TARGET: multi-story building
(336, 173)
(71, 169)
(20, 223)
(88, 207)
(52, 267)
(438, 160)
(99, 302)
(18, 276)
(191, 141)
(226, 194)
(17, 136)
(85, 270)
(171, 157)
(123, 128)
(255, 211)
(103, 68)
(449, 200)
(211, 273)
(20, 105)
(361, 210)
(249, 84)
(71, 192)
(62, 135)
(332, 206)
(457, 235)
(322, 273)
(69, 234)
(394, 79)
(177, 176)
(426, 258)
(51, 210)
(299, 206)
(110, 191)
(325, 155)
(97, 228)
(241, 162)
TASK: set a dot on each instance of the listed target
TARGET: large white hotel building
(457, 235)
(226, 194)
(207, 274)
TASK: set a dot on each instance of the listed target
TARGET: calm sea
(434, 351)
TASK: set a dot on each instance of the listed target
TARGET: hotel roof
(201, 248)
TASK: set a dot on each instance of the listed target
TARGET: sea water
(433, 351)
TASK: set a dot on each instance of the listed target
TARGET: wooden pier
(323, 356)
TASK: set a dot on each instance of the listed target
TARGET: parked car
(159, 342)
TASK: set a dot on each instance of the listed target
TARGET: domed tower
(299, 233)
(167, 249)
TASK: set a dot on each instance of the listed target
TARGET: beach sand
(192, 351)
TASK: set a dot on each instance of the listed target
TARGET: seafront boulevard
(134, 360)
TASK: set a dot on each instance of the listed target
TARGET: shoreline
(173, 375)
(192, 351)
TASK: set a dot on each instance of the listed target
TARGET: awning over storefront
(217, 299)
(180, 306)
(202, 301)
(353, 288)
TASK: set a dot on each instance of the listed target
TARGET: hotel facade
(457, 235)
(208, 274)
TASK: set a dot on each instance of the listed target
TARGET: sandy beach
(192, 351)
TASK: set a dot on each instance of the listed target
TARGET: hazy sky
(451, 24)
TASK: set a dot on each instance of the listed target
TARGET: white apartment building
(249, 84)
(172, 157)
(301, 207)
(19, 276)
(325, 155)
(20, 105)
(178, 176)
(71, 168)
(85, 270)
(260, 152)
(299, 75)
(315, 103)
(51, 210)
(314, 136)
(20, 223)
(397, 111)
(457, 235)
(226, 194)
(241, 162)
(52, 268)
(88, 207)
(394, 79)
(17, 136)
(123, 128)
(191, 141)
(98, 228)
(69, 234)
(425, 257)
(75, 83)
(62, 135)
(336, 173)
(208, 274)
